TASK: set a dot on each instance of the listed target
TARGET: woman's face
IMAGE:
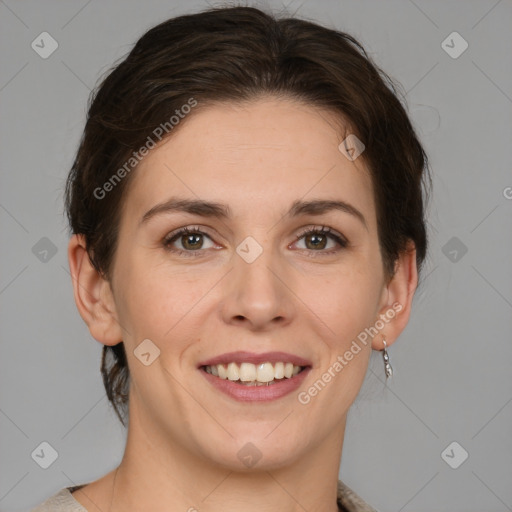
(250, 280)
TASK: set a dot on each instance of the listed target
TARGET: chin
(253, 451)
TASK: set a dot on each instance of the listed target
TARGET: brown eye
(187, 240)
(191, 241)
(317, 240)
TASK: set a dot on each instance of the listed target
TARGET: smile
(250, 374)
(246, 376)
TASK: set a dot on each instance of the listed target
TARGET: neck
(157, 473)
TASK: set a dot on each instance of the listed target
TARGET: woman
(247, 210)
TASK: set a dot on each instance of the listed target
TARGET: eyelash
(197, 231)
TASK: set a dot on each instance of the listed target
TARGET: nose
(258, 294)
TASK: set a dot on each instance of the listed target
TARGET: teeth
(265, 372)
(233, 373)
(247, 372)
(223, 374)
(279, 371)
(252, 374)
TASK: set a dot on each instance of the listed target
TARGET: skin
(183, 434)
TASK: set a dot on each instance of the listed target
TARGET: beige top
(63, 501)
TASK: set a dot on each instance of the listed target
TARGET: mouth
(255, 377)
(249, 374)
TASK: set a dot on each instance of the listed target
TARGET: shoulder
(61, 501)
(349, 501)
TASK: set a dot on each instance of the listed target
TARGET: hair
(237, 54)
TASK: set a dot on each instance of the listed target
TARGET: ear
(397, 298)
(93, 295)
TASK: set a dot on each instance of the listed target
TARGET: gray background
(452, 364)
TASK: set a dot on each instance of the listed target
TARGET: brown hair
(237, 54)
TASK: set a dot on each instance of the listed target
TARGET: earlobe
(400, 293)
(93, 294)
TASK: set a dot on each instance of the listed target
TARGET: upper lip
(251, 357)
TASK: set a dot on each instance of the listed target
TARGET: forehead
(260, 155)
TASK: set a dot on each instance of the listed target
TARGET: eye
(316, 240)
(190, 239)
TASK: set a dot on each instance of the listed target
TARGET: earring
(387, 367)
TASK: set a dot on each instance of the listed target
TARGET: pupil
(316, 236)
(189, 238)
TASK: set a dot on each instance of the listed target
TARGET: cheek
(347, 305)
(347, 300)
(155, 302)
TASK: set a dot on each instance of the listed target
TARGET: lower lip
(245, 393)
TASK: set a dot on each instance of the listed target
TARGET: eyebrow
(223, 212)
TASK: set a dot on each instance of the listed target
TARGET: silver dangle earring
(387, 367)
